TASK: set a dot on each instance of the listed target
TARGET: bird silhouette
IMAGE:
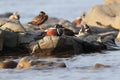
(40, 19)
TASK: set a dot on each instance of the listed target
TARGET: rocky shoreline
(88, 34)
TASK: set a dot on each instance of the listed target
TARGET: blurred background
(67, 9)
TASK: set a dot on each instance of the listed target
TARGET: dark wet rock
(63, 46)
(10, 39)
(103, 32)
(13, 39)
(18, 36)
(1, 40)
(109, 40)
(98, 30)
(28, 37)
(50, 64)
(6, 15)
(8, 64)
(16, 43)
(15, 34)
(105, 38)
(27, 62)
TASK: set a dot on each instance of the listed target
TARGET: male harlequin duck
(85, 29)
(64, 31)
(51, 32)
(14, 16)
(59, 30)
(40, 19)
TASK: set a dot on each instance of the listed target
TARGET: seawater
(67, 9)
(79, 67)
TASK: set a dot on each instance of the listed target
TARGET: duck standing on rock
(64, 31)
(59, 30)
(51, 32)
(14, 16)
(40, 19)
(85, 29)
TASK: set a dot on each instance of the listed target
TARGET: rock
(97, 66)
(53, 21)
(8, 64)
(2, 22)
(1, 39)
(103, 16)
(24, 63)
(118, 37)
(51, 64)
(112, 1)
(64, 46)
(29, 27)
(27, 62)
(26, 38)
(59, 64)
(106, 39)
(49, 23)
(10, 39)
(13, 39)
(5, 15)
(14, 26)
(45, 45)
(99, 30)
(69, 25)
